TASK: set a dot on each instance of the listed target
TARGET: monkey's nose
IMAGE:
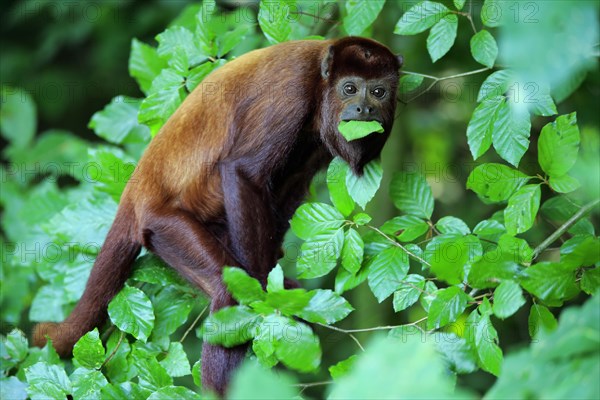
(367, 110)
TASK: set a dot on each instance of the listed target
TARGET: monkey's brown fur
(219, 183)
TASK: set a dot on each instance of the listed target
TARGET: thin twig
(189, 329)
(564, 227)
(307, 385)
(335, 328)
(114, 350)
(416, 257)
(313, 15)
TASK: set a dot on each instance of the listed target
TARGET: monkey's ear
(326, 63)
(400, 60)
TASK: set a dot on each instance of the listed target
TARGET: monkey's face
(364, 99)
(360, 99)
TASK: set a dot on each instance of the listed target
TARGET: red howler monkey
(219, 183)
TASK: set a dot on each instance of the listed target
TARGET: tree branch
(564, 227)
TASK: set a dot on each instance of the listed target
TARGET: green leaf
(540, 320)
(558, 145)
(251, 381)
(408, 293)
(511, 133)
(125, 390)
(336, 183)
(489, 227)
(559, 209)
(230, 326)
(275, 280)
(375, 374)
(450, 254)
(232, 38)
(88, 384)
(118, 121)
(459, 4)
(18, 119)
(442, 36)
(541, 103)
(120, 367)
(491, 270)
(428, 295)
(312, 219)
(580, 251)
(88, 351)
(116, 170)
(361, 14)
(508, 298)
(481, 126)
(361, 219)
(522, 209)
(165, 96)
(590, 280)
(151, 269)
(320, 253)
(352, 251)
(550, 281)
(197, 373)
(343, 367)
(447, 305)
(171, 310)
(47, 381)
(131, 311)
(48, 304)
(492, 13)
(298, 348)
(151, 375)
(486, 338)
(352, 130)
(410, 82)
(12, 388)
(387, 271)
(197, 74)
(484, 48)
(288, 302)
(571, 349)
(178, 38)
(176, 362)
(173, 393)
(144, 64)
(405, 227)
(274, 19)
(411, 194)
(16, 345)
(420, 17)
(242, 286)
(564, 184)
(363, 188)
(452, 225)
(459, 354)
(495, 85)
(325, 307)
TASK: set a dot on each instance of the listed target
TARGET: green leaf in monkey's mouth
(353, 130)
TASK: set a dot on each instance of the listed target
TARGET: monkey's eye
(350, 89)
(379, 92)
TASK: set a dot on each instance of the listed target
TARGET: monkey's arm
(250, 220)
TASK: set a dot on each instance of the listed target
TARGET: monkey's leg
(187, 246)
(111, 269)
(251, 223)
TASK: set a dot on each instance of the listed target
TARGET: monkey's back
(221, 119)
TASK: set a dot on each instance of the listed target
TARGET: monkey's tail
(109, 273)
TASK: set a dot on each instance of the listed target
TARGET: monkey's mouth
(362, 120)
